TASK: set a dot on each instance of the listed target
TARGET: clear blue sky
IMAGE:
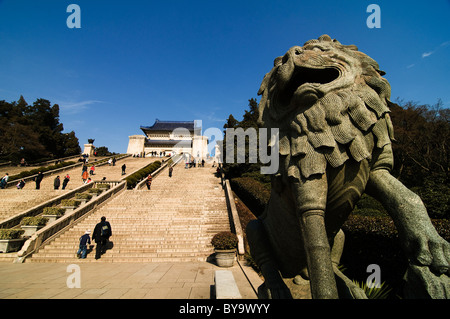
(134, 61)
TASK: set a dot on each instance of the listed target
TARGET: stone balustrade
(62, 169)
(37, 210)
(49, 232)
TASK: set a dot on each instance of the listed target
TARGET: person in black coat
(101, 234)
(65, 181)
(38, 180)
(56, 183)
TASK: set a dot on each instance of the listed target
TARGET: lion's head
(325, 98)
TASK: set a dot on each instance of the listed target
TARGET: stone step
(138, 244)
(132, 251)
(116, 259)
(174, 221)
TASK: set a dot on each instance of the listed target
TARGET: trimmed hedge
(245, 216)
(83, 196)
(103, 186)
(34, 221)
(94, 191)
(40, 169)
(58, 211)
(70, 203)
(138, 176)
(11, 233)
(253, 193)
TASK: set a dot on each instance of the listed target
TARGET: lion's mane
(345, 123)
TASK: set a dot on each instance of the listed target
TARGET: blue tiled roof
(181, 143)
(169, 126)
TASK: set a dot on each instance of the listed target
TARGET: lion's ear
(277, 61)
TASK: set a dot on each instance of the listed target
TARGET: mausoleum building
(169, 138)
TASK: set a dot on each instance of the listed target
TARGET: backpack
(104, 231)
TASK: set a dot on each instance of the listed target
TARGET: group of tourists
(38, 180)
(85, 176)
(194, 163)
(156, 154)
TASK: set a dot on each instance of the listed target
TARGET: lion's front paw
(431, 251)
(421, 283)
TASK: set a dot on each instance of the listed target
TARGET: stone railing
(175, 159)
(141, 184)
(37, 210)
(63, 159)
(234, 216)
(51, 231)
(5, 163)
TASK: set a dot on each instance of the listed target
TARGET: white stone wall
(199, 147)
(136, 144)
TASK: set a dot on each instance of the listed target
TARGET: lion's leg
(420, 239)
(311, 196)
(425, 249)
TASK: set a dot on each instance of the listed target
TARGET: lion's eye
(317, 49)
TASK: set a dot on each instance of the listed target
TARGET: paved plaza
(118, 281)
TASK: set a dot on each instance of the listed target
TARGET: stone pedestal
(89, 149)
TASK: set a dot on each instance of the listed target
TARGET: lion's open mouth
(303, 75)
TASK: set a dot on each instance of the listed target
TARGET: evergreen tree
(250, 120)
(34, 132)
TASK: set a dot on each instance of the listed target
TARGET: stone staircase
(173, 222)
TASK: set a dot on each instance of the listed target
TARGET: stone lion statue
(331, 105)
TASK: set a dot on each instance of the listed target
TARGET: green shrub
(442, 227)
(131, 181)
(381, 292)
(11, 233)
(264, 179)
(369, 206)
(138, 176)
(83, 196)
(70, 203)
(224, 240)
(253, 193)
(34, 221)
(58, 211)
(104, 185)
(435, 194)
(95, 191)
(42, 169)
